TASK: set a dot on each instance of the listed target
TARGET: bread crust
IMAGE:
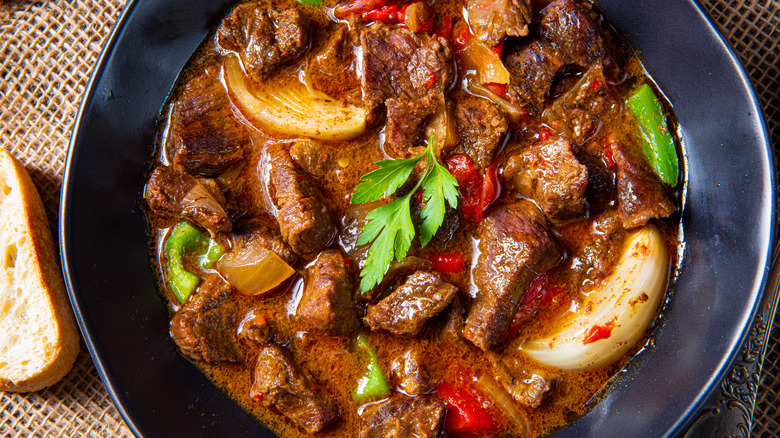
(32, 354)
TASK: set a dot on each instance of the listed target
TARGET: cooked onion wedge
(626, 303)
(295, 110)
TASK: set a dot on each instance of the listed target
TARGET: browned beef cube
(255, 234)
(312, 156)
(480, 126)
(205, 327)
(492, 20)
(574, 30)
(174, 195)
(263, 38)
(279, 382)
(583, 107)
(452, 331)
(549, 173)
(594, 256)
(641, 194)
(409, 73)
(527, 387)
(410, 373)
(255, 327)
(204, 137)
(532, 68)
(569, 33)
(408, 308)
(515, 245)
(332, 70)
(401, 416)
(326, 303)
(300, 209)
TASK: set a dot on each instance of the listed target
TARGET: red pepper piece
(465, 413)
(359, 7)
(598, 332)
(499, 89)
(469, 184)
(387, 14)
(491, 189)
(451, 263)
(430, 81)
(498, 48)
(544, 134)
(608, 159)
(461, 37)
(596, 85)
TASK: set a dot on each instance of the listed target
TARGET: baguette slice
(39, 340)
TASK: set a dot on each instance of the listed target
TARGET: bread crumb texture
(38, 337)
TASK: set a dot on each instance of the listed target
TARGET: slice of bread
(39, 340)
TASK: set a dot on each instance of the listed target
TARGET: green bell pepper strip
(653, 132)
(187, 239)
(311, 3)
(373, 385)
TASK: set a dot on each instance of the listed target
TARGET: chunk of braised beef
(409, 73)
(569, 34)
(527, 387)
(549, 173)
(303, 215)
(492, 20)
(173, 195)
(281, 383)
(333, 69)
(515, 244)
(205, 327)
(312, 156)
(480, 126)
(410, 373)
(402, 416)
(255, 327)
(641, 194)
(204, 136)
(406, 310)
(452, 330)
(255, 233)
(582, 108)
(594, 258)
(326, 302)
(263, 38)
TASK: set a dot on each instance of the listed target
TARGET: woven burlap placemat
(47, 52)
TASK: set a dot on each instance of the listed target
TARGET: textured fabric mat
(47, 52)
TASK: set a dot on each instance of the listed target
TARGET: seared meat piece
(594, 258)
(263, 38)
(410, 373)
(641, 194)
(515, 245)
(304, 219)
(492, 20)
(332, 70)
(401, 416)
(312, 156)
(409, 73)
(549, 173)
(281, 383)
(452, 330)
(255, 327)
(408, 308)
(480, 126)
(326, 303)
(254, 233)
(204, 137)
(582, 108)
(526, 387)
(205, 327)
(173, 195)
(569, 34)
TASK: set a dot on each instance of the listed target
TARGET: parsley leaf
(385, 180)
(390, 229)
(439, 185)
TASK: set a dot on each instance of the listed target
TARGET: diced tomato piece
(598, 332)
(499, 89)
(461, 37)
(544, 134)
(451, 263)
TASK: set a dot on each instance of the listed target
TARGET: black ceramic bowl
(727, 223)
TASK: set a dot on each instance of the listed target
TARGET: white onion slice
(628, 300)
(295, 110)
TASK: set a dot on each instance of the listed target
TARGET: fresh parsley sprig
(390, 226)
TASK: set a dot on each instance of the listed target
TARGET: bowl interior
(727, 224)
